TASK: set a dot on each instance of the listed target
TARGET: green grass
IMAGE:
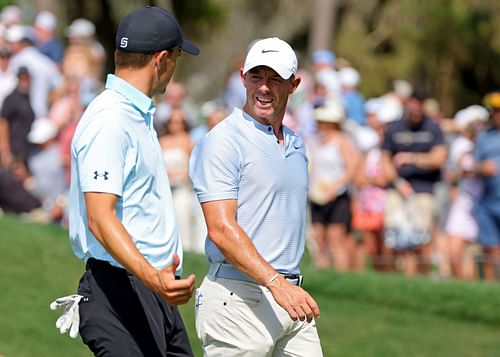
(361, 314)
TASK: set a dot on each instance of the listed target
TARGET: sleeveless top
(326, 167)
(177, 161)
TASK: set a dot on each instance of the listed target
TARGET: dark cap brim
(190, 47)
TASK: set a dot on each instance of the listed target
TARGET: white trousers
(238, 318)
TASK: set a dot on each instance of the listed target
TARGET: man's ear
(295, 84)
(159, 57)
(242, 76)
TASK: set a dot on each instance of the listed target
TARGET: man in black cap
(121, 218)
(16, 118)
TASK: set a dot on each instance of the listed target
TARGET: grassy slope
(362, 315)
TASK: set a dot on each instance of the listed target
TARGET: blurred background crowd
(400, 181)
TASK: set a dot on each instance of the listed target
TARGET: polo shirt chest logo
(103, 175)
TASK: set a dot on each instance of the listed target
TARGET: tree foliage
(449, 49)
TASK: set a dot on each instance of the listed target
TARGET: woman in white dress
(177, 145)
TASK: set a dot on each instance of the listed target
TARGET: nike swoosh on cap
(266, 51)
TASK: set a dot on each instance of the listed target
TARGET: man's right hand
(174, 292)
(295, 300)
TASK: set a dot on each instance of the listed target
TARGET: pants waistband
(227, 271)
(101, 265)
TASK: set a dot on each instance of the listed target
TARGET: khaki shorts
(238, 318)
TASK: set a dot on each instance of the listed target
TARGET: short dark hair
(131, 60)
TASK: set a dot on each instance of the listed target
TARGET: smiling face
(267, 94)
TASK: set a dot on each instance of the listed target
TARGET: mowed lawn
(361, 314)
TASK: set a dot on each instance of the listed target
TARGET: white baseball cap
(11, 15)
(366, 138)
(349, 77)
(372, 105)
(478, 112)
(403, 88)
(42, 130)
(46, 20)
(18, 33)
(80, 28)
(273, 53)
(468, 115)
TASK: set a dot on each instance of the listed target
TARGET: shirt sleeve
(101, 151)
(438, 136)
(215, 169)
(6, 108)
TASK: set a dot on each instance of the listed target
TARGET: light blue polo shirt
(115, 150)
(241, 159)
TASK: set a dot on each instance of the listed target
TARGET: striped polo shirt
(241, 159)
(115, 150)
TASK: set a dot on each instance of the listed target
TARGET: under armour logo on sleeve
(98, 174)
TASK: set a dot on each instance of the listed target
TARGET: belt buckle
(300, 280)
(296, 280)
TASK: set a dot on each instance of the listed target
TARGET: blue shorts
(488, 221)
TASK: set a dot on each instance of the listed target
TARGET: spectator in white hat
(332, 164)
(393, 102)
(325, 74)
(461, 226)
(354, 101)
(45, 26)
(46, 168)
(369, 196)
(11, 15)
(85, 55)
(45, 75)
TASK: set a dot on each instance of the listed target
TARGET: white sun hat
(42, 130)
(331, 112)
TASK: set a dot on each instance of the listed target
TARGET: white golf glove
(70, 319)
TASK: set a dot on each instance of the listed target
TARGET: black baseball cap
(23, 70)
(151, 29)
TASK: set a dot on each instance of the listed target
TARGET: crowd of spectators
(394, 185)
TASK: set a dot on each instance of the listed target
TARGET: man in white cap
(250, 175)
(353, 99)
(45, 26)
(11, 15)
(44, 72)
(46, 168)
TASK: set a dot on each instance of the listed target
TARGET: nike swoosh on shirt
(266, 51)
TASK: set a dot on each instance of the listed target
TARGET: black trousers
(13, 196)
(120, 316)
